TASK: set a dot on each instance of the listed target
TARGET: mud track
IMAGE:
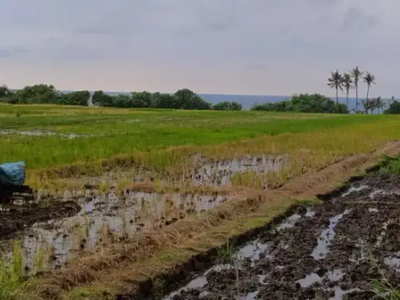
(334, 250)
(124, 269)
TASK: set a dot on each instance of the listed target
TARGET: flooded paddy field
(64, 230)
(335, 250)
(222, 172)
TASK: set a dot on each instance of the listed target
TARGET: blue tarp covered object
(12, 173)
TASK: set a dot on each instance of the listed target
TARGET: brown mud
(334, 250)
(12, 221)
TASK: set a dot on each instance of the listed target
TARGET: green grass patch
(111, 132)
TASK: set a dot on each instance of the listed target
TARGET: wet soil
(12, 221)
(221, 172)
(64, 232)
(334, 250)
(43, 133)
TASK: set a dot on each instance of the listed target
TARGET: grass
(163, 140)
(11, 275)
(122, 131)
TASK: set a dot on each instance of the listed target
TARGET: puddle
(310, 213)
(310, 280)
(335, 275)
(221, 172)
(393, 262)
(198, 282)
(339, 292)
(354, 189)
(106, 219)
(261, 279)
(289, 222)
(327, 235)
(373, 210)
(43, 133)
(252, 251)
(251, 296)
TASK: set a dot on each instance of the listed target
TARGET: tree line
(48, 94)
(317, 103)
(307, 103)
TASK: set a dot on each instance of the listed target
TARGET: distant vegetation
(187, 99)
(347, 81)
(317, 103)
(227, 106)
(314, 103)
(47, 94)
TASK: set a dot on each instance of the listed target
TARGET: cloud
(358, 20)
(221, 46)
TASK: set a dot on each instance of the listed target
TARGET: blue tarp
(12, 173)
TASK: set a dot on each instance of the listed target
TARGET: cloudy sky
(275, 47)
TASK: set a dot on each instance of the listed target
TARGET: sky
(274, 47)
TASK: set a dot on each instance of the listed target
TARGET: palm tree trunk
(337, 97)
(367, 101)
(347, 99)
(356, 96)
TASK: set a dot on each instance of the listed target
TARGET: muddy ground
(65, 230)
(12, 221)
(335, 250)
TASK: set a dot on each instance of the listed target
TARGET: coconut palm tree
(336, 82)
(368, 79)
(380, 104)
(347, 83)
(357, 74)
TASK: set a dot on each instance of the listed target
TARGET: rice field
(108, 179)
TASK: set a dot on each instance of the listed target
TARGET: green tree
(394, 108)
(347, 83)
(142, 99)
(187, 99)
(102, 99)
(336, 82)
(227, 106)
(368, 79)
(380, 104)
(4, 91)
(357, 74)
(123, 101)
(37, 94)
(161, 100)
(309, 103)
(75, 98)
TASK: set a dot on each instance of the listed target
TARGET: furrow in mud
(333, 250)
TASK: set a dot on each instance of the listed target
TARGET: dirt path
(121, 269)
